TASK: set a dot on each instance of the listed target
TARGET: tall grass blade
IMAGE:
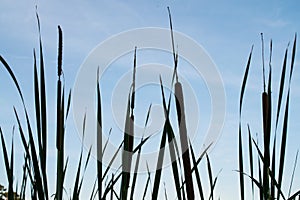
(271, 176)
(281, 87)
(200, 188)
(166, 130)
(9, 70)
(159, 163)
(94, 189)
(285, 122)
(257, 183)
(172, 141)
(201, 156)
(112, 188)
(273, 166)
(172, 144)
(106, 143)
(68, 104)
(8, 167)
(37, 104)
(99, 139)
(43, 114)
(293, 58)
(76, 185)
(293, 197)
(293, 174)
(110, 185)
(84, 170)
(128, 139)
(139, 149)
(210, 176)
(241, 166)
(37, 173)
(31, 152)
(112, 160)
(251, 158)
(259, 169)
(183, 132)
(147, 182)
(182, 189)
(166, 195)
(279, 102)
(24, 178)
(135, 173)
(11, 167)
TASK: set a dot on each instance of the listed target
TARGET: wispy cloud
(274, 23)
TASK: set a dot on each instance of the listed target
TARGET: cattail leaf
(148, 115)
(112, 160)
(135, 174)
(84, 169)
(139, 148)
(285, 121)
(94, 189)
(106, 143)
(147, 182)
(8, 167)
(257, 183)
(37, 173)
(250, 157)
(110, 185)
(245, 81)
(5, 155)
(126, 158)
(293, 57)
(273, 166)
(281, 87)
(283, 143)
(297, 194)
(293, 173)
(76, 185)
(159, 164)
(37, 103)
(199, 184)
(241, 167)
(172, 141)
(43, 114)
(133, 80)
(68, 104)
(128, 139)
(99, 139)
(210, 177)
(12, 75)
(31, 152)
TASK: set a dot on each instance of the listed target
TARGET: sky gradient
(225, 29)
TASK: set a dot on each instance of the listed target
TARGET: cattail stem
(184, 140)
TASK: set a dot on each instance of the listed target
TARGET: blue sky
(225, 29)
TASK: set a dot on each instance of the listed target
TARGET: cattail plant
(179, 98)
(128, 138)
(268, 185)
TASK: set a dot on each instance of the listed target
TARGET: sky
(225, 31)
